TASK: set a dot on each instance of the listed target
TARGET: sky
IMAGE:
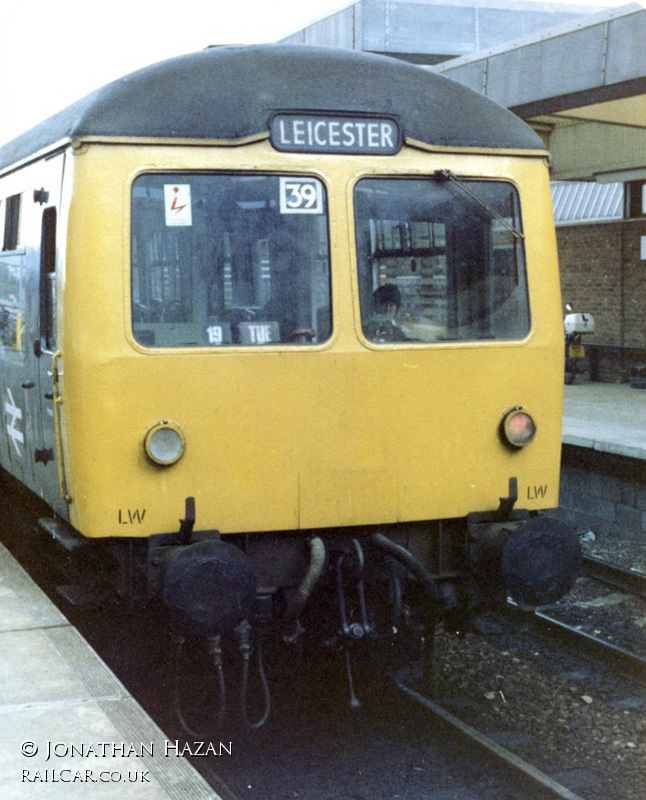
(55, 53)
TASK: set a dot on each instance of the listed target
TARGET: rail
(529, 780)
(626, 580)
(583, 643)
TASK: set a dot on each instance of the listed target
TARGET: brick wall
(603, 492)
(602, 273)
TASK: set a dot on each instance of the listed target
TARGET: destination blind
(303, 133)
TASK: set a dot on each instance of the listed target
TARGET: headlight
(517, 428)
(164, 444)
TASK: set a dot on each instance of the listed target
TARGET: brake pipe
(412, 563)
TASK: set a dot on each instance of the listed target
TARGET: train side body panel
(31, 267)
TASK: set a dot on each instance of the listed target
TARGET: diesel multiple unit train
(281, 325)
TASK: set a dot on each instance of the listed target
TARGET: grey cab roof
(227, 93)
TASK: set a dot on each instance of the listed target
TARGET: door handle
(28, 385)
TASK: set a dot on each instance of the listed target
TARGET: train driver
(387, 301)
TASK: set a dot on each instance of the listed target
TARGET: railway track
(584, 644)
(547, 624)
(523, 777)
(628, 581)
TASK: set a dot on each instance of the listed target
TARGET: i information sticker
(177, 203)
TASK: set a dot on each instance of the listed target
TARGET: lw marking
(534, 492)
(131, 516)
(15, 413)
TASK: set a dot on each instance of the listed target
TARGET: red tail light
(517, 428)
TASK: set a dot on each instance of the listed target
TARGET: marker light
(517, 428)
(164, 444)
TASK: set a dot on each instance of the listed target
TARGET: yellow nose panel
(347, 498)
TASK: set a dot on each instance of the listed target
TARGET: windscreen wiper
(447, 175)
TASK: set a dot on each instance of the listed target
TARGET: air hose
(243, 632)
(304, 591)
(215, 652)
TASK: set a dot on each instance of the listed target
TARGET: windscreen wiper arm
(447, 175)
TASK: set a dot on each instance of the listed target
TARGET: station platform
(607, 417)
(68, 727)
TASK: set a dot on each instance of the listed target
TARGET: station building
(577, 74)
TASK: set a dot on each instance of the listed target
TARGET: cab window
(223, 260)
(440, 260)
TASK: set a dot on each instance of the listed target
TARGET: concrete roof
(429, 31)
(583, 84)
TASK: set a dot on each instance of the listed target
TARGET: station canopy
(581, 85)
